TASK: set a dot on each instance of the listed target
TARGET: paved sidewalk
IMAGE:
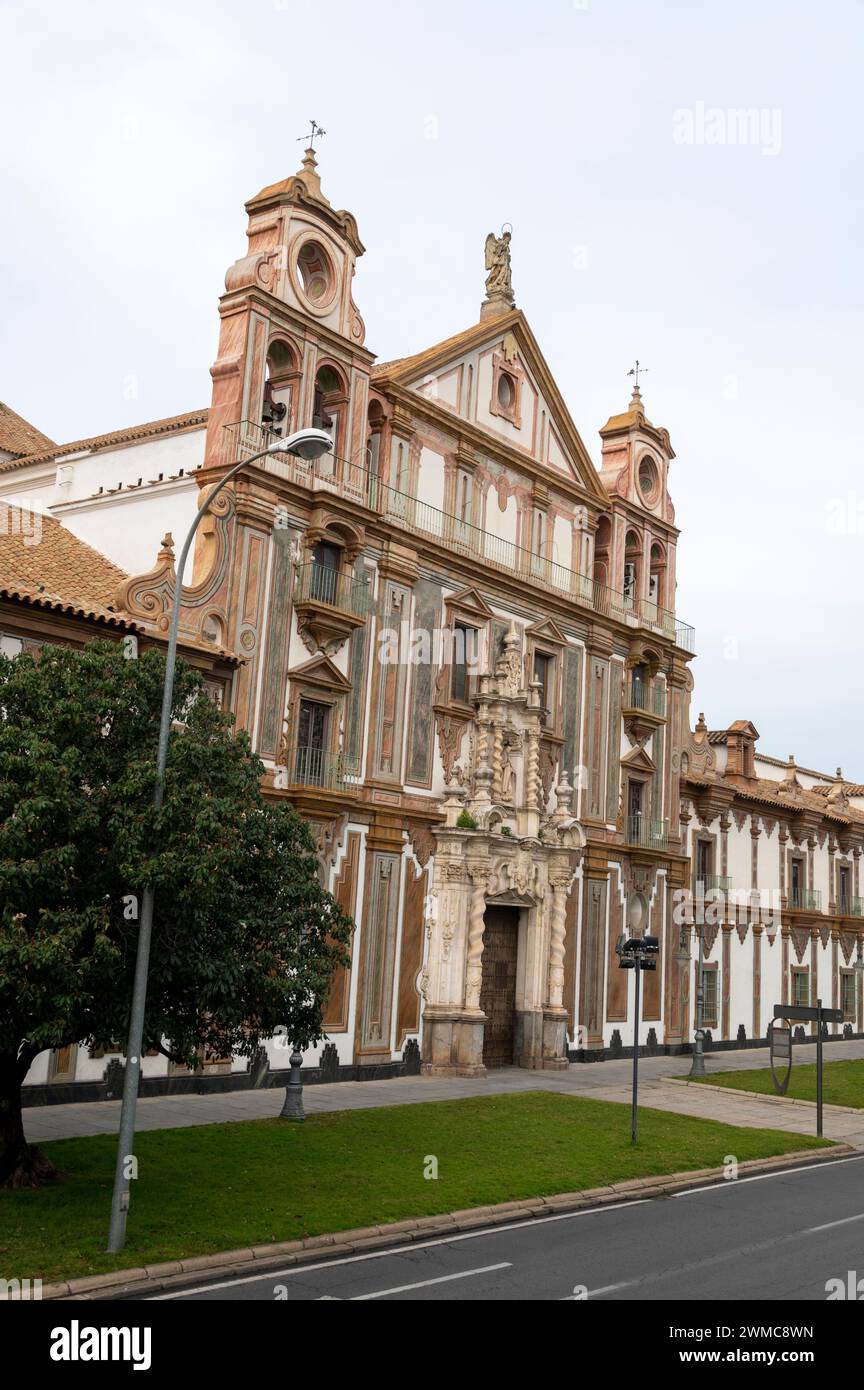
(602, 1080)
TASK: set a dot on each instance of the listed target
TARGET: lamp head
(307, 444)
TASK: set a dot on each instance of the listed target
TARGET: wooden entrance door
(498, 986)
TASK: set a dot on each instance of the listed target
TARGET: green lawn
(842, 1082)
(221, 1187)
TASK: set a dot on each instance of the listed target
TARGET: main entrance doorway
(498, 985)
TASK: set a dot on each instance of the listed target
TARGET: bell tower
(291, 338)
(636, 541)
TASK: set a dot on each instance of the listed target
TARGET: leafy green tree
(245, 939)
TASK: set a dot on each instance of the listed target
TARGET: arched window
(281, 377)
(329, 411)
(632, 558)
(657, 574)
(601, 551)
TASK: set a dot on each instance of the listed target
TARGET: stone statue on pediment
(498, 279)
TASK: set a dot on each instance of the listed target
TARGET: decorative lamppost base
(293, 1106)
(697, 1066)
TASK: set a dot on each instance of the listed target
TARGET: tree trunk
(21, 1164)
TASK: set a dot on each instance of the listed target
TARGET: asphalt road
(772, 1237)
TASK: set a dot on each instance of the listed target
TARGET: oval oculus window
(314, 271)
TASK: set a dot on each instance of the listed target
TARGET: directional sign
(780, 1040)
(802, 1014)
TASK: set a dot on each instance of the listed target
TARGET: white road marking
(610, 1288)
(392, 1250)
(829, 1225)
(425, 1283)
(483, 1231)
(723, 1186)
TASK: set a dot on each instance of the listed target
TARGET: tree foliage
(245, 939)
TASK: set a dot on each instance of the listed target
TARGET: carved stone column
(476, 925)
(554, 1014)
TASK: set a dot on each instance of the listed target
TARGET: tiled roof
(46, 450)
(18, 436)
(418, 360)
(767, 793)
(42, 562)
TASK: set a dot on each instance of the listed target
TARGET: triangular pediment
(320, 671)
(547, 630)
(470, 601)
(639, 761)
(459, 377)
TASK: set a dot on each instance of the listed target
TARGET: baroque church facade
(454, 643)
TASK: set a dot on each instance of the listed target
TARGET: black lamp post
(638, 953)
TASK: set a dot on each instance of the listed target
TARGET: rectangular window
(797, 884)
(465, 653)
(848, 992)
(703, 866)
(312, 725)
(709, 997)
(801, 987)
(543, 672)
(844, 890)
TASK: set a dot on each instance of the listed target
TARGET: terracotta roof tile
(42, 561)
(46, 450)
(18, 436)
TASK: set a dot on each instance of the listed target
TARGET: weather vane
(634, 371)
(313, 136)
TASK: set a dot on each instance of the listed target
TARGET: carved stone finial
(167, 551)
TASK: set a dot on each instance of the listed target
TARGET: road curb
(759, 1095)
(149, 1280)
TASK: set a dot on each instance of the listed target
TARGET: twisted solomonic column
(558, 930)
(476, 925)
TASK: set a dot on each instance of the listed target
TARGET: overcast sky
(642, 227)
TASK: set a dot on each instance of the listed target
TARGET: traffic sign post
(800, 1013)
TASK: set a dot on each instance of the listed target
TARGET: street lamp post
(308, 444)
(638, 953)
(697, 1066)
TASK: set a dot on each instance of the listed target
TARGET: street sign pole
(819, 1068)
(633, 1121)
(801, 1013)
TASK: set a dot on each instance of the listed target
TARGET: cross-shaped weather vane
(634, 371)
(313, 136)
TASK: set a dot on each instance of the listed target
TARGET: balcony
(355, 483)
(647, 834)
(806, 900)
(314, 767)
(851, 907)
(329, 604)
(713, 883)
(644, 709)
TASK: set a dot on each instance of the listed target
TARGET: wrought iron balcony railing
(319, 583)
(314, 767)
(644, 697)
(713, 883)
(806, 899)
(355, 482)
(851, 907)
(647, 834)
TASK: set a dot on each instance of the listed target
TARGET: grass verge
(221, 1187)
(842, 1082)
